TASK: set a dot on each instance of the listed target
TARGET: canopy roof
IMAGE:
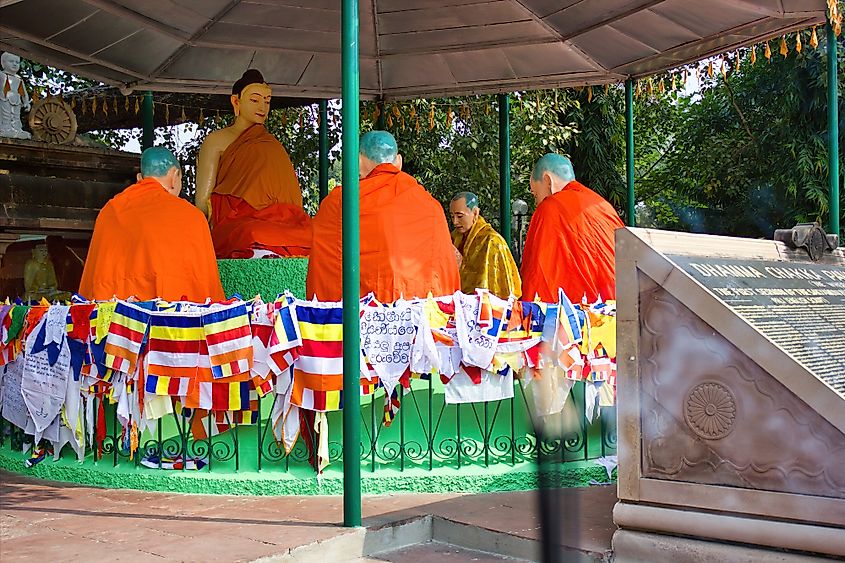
(409, 48)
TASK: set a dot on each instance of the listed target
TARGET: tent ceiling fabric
(409, 48)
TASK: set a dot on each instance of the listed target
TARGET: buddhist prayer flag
(569, 319)
(126, 335)
(318, 371)
(174, 344)
(229, 338)
(164, 385)
(285, 339)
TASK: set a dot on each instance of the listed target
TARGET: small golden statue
(39, 277)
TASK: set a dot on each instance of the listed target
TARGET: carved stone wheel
(52, 121)
(710, 410)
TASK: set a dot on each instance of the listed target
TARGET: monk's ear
(476, 212)
(397, 162)
(548, 182)
(236, 103)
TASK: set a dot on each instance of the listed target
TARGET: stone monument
(731, 399)
(13, 98)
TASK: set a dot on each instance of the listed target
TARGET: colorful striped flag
(175, 342)
(165, 385)
(126, 335)
(285, 340)
(229, 338)
(318, 371)
(570, 321)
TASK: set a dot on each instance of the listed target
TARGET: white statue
(14, 96)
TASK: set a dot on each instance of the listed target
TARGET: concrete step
(437, 552)
(430, 539)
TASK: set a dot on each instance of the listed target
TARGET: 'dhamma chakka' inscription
(799, 306)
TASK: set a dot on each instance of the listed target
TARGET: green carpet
(265, 277)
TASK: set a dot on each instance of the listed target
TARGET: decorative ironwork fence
(427, 433)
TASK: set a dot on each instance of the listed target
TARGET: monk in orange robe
(570, 242)
(148, 242)
(247, 185)
(406, 249)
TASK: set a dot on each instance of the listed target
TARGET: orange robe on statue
(256, 202)
(148, 243)
(570, 244)
(406, 249)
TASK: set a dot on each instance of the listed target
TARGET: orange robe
(256, 202)
(148, 243)
(570, 244)
(406, 249)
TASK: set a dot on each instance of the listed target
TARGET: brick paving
(52, 521)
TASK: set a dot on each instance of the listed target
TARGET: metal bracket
(809, 236)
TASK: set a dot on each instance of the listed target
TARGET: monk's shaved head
(156, 162)
(470, 198)
(555, 164)
(379, 147)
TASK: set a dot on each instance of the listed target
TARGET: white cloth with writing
(387, 335)
(44, 384)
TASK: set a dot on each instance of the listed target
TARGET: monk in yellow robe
(246, 183)
(570, 243)
(405, 245)
(486, 259)
(148, 242)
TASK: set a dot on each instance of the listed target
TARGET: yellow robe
(487, 261)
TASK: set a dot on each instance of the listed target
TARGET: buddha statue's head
(464, 211)
(39, 253)
(11, 62)
(377, 147)
(251, 97)
(550, 175)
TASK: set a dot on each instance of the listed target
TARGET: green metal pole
(324, 149)
(629, 150)
(381, 120)
(833, 128)
(148, 131)
(351, 269)
(505, 167)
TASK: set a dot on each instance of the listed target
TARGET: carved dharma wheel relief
(52, 121)
(710, 410)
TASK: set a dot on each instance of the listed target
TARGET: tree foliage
(747, 154)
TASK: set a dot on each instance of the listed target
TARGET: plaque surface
(798, 306)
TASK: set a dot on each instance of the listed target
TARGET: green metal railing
(426, 434)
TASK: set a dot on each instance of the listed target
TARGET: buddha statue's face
(39, 253)
(253, 104)
(11, 63)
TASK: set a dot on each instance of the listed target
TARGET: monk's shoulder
(330, 205)
(493, 236)
(551, 206)
(107, 212)
(184, 210)
(418, 190)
